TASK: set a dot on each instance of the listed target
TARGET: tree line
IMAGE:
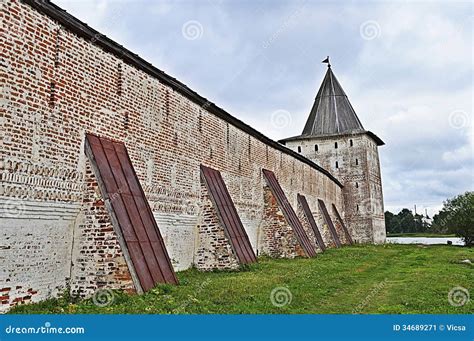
(456, 217)
(406, 222)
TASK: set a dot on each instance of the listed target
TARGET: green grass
(393, 279)
(426, 235)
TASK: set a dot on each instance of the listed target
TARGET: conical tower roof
(332, 113)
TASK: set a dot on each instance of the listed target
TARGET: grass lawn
(427, 235)
(393, 279)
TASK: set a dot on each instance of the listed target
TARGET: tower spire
(332, 113)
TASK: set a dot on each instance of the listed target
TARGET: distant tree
(402, 222)
(440, 222)
(405, 222)
(389, 222)
(457, 216)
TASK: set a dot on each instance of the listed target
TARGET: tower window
(337, 164)
(351, 143)
(315, 147)
(357, 162)
(335, 145)
(357, 185)
(299, 149)
(357, 208)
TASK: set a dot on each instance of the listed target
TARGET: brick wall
(307, 228)
(213, 249)
(97, 260)
(55, 86)
(323, 226)
(277, 238)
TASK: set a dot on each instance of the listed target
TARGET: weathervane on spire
(327, 61)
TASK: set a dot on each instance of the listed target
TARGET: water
(424, 240)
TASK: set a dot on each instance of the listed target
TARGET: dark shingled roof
(332, 113)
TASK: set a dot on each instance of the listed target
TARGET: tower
(334, 138)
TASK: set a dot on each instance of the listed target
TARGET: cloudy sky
(407, 68)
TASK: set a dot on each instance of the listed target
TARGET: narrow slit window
(357, 208)
(351, 143)
(299, 149)
(357, 162)
(316, 148)
(335, 145)
(357, 185)
(337, 164)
